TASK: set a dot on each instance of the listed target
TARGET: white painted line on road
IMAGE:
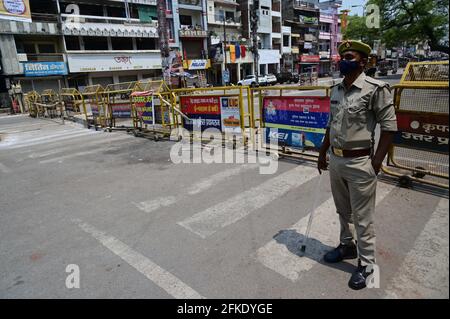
(424, 272)
(50, 145)
(50, 139)
(62, 158)
(211, 220)
(155, 204)
(4, 169)
(84, 144)
(215, 179)
(164, 279)
(36, 135)
(282, 254)
(68, 156)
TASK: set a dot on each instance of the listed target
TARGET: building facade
(270, 34)
(303, 18)
(329, 37)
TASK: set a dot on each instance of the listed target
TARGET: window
(122, 43)
(229, 16)
(220, 15)
(285, 40)
(28, 48)
(117, 12)
(146, 44)
(95, 43)
(91, 10)
(72, 43)
(46, 48)
(185, 20)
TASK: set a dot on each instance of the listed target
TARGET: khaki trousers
(353, 184)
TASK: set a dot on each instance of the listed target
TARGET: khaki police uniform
(354, 115)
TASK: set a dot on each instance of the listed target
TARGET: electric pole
(164, 40)
(254, 21)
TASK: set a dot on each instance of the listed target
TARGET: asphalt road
(138, 225)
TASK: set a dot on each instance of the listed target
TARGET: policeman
(357, 105)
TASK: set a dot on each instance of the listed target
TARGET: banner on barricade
(428, 132)
(121, 109)
(143, 103)
(300, 122)
(69, 105)
(230, 115)
(201, 110)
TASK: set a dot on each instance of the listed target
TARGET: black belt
(351, 153)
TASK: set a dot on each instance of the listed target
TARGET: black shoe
(358, 280)
(340, 253)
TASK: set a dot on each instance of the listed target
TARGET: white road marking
(86, 144)
(4, 169)
(62, 158)
(209, 221)
(217, 178)
(50, 145)
(68, 156)
(49, 139)
(164, 279)
(424, 272)
(282, 253)
(155, 204)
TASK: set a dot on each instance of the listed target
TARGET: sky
(346, 4)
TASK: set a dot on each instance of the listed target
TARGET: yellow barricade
(152, 109)
(420, 146)
(291, 119)
(74, 105)
(31, 99)
(226, 110)
(50, 105)
(95, 105)
(118, 101)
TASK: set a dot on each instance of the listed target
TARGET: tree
(410, 21)
(358, 30)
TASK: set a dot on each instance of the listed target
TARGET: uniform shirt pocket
(356, 112)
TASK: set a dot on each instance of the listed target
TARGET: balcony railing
(304, 5)
(310, 38)
(228, 21)
(190, 2)
(46, 57)
(44, 17)
(73, 18)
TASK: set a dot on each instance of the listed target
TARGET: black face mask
(346, 67)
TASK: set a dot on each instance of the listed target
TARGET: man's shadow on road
(315, 249)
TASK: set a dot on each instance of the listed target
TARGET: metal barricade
(420, 146)
(119, 109)
(50, 105)
(152, 109)
(95, 106)
(74, 105)
(31, 99)
(291, 119)
(220, 108)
